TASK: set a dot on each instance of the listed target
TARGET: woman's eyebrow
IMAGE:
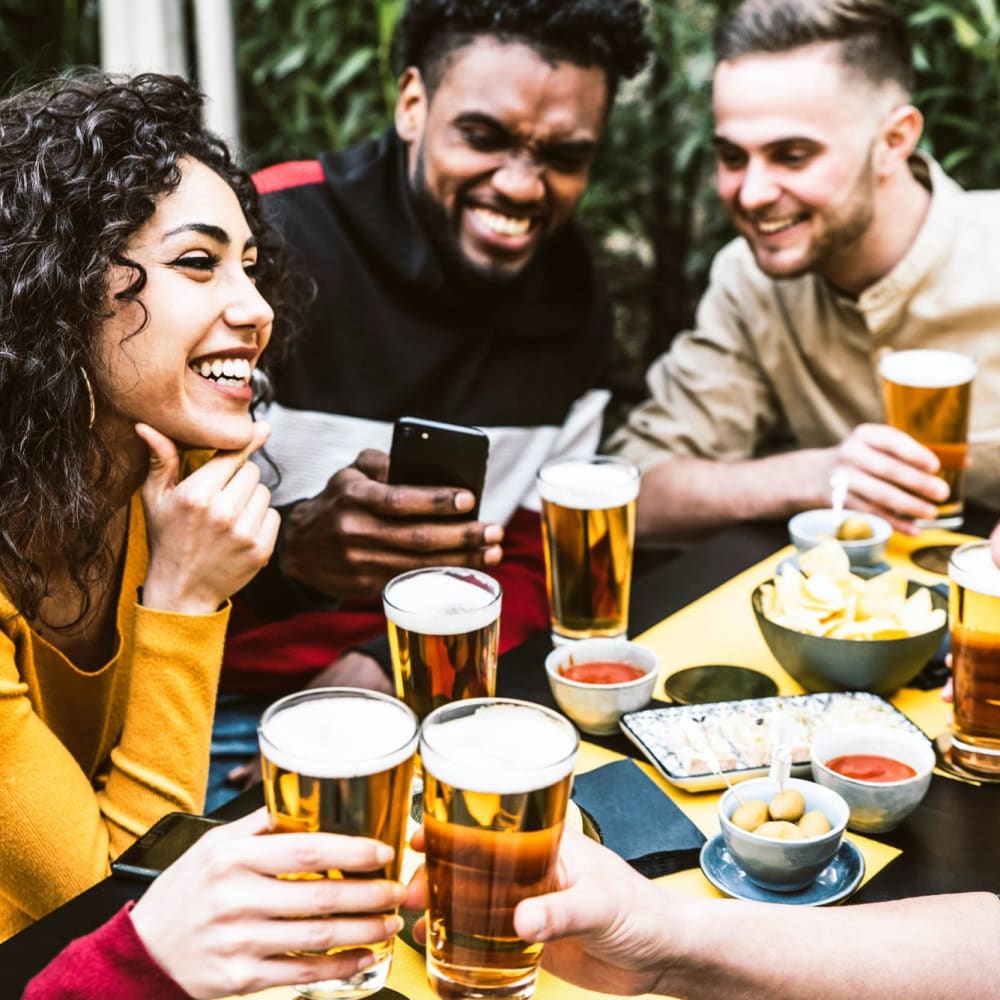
(206, 229)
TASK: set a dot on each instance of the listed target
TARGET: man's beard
(843, 231)
(440, 233)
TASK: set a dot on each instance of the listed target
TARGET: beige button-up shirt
(769, 360)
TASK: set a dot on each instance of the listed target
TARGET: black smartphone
(162, 844)
(428, 453)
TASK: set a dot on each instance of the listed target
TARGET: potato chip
(828, 557)
(827, 599)
(882, 593)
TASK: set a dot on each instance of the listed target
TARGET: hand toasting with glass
(909, 470)
(340, 760)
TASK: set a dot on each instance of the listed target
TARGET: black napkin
(637, 820)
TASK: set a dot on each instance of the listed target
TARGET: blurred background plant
(318, 74)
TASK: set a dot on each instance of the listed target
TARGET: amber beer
(588, 529)
(927, 394)
(444, 627)
(974, 613)
(497, 776)
(340, 760)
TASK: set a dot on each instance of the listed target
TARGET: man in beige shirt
(851, 244)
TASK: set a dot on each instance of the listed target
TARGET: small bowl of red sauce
(596, 681)
(882, 772)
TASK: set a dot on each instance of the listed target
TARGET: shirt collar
(881, 304)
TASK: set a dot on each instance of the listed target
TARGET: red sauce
(870, 767)
(601, 672)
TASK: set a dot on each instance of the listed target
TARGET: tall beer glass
(497, 776)
(927, 394)
(588, 530)
(444, 626)
(340, 760)
(974, 613)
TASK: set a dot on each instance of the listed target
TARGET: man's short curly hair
(605, 33)
(84, 158)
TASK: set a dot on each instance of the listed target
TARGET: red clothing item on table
(284, 655)
(110, 962)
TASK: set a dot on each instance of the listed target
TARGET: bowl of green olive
(782, 837)
(862, 536)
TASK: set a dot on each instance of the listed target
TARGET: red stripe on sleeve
(295, 173)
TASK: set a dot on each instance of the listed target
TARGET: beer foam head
(581, 484)
(339, 736)
(442, 602)
(972, 567)
(928, 369)
(502, 748)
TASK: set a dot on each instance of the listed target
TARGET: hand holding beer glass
(927, 395)
(974, 614)
(340, 760)
(444, 630)
(497, 777)
(588, 530)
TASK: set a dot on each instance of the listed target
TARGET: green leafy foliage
(314, 74)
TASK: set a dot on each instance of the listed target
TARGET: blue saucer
(835, 882)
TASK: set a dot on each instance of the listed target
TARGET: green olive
(814, 823)
(749, 815)
(854, 529)
(779, 829)
(788, 805)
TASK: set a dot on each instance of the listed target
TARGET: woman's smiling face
(186, 372)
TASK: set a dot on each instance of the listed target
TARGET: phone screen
(428, 453)
(162, 845)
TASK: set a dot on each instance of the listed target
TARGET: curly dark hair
(605, 33)
(84, 157)
(873, 35)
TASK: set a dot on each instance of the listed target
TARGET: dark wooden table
(948, 844)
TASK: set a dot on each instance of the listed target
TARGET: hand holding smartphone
(429, 453)
(161, 845)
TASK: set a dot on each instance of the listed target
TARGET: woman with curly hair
(135, 279)
(135, 273)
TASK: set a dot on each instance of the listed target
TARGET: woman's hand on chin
(208, 534)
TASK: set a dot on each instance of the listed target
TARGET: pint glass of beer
(927, 395)
(588, 530)
(974, 613)
(340, 760)
(497, 776)
(444, 626)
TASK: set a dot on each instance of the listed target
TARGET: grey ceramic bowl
(783, 865)
(811, 527)
(823, 663)
(597, 708)
(876, 806)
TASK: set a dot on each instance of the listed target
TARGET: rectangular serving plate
(658, 732)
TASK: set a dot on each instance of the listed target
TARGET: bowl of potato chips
(862, 536)
(834, 628)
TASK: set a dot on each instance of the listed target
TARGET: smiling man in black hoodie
(452, 284)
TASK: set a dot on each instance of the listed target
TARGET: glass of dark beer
(497, 776)
(340, 760)
(588, 530)
(974, 614)
(444, 628)
(928, 394)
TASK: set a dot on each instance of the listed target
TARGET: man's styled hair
(872, 34)
(605, 33)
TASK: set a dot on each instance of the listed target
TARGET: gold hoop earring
(90, 398)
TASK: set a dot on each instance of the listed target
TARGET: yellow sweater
(88, 761)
